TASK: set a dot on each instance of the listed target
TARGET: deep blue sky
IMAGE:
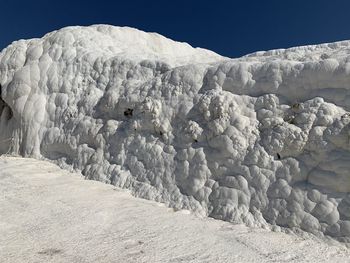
(231, 28)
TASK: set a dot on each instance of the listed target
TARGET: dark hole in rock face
(128, 112)
(278, 156)
(4, 106)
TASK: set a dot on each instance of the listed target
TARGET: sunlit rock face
(263, 139)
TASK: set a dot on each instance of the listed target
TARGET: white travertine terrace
(263, 139)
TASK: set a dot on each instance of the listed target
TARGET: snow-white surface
(262, 140)
(50, 215)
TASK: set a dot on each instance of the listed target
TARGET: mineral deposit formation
(263, 139)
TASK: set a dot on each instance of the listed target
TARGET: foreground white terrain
(262, 140)
(50, 215)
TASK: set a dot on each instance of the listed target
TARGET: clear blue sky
(231, 28)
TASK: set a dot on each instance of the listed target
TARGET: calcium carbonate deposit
(261, 140)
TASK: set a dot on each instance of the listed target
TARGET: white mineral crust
(263, 139)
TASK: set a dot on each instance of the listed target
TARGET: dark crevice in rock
(4, 107)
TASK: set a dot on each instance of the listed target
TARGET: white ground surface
(50, 215)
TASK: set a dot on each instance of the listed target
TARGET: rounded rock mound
(262, 139)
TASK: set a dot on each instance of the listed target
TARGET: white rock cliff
(263, 139)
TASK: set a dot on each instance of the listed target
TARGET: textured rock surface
(262, 139)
